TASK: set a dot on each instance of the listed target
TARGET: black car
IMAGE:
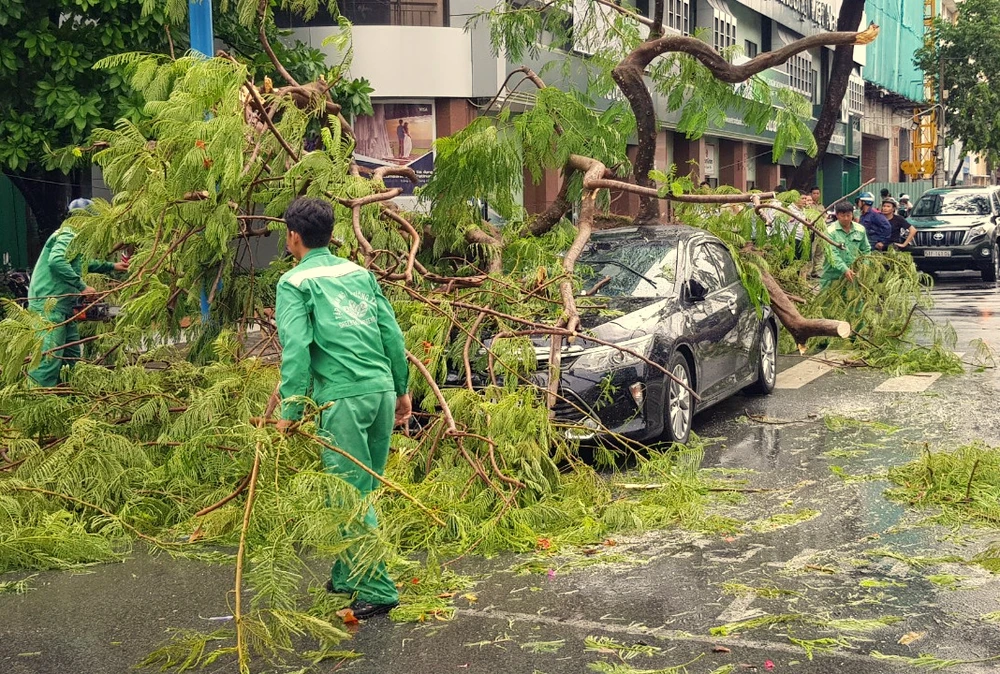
(674, 295)
(957, 230)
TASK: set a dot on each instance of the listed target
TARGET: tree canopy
(54, 97)
(966, 53)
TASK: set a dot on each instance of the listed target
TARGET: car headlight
(605, 358)
(975, 233)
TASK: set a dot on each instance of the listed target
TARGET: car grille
(926, 238)
(569, 409)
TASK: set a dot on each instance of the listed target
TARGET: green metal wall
(890, 56)
(13, 226)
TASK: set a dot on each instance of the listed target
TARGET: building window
(372, 13)
(724, 25)
(856, 95)
(799, 69)
(750, 49)
(679, 15)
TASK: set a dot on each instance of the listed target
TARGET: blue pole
(203, 42)
(202, 35)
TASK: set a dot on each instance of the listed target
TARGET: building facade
(433, 76)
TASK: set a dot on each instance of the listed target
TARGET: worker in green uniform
(56, 285)
(339, 335)
(837, 262)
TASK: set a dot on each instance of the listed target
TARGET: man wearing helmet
(904, 206)
(56, 285)
(878, 228)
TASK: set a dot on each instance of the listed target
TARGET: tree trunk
(546, 220)
(840, 77)
(628, 75)
(799, 327)
(47, 195)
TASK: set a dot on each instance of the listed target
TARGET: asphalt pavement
(844, 553)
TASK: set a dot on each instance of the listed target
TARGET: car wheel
(990, 273)
(767, 366)
(679, 407)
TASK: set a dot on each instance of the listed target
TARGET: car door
(742, 340)
(712, 321)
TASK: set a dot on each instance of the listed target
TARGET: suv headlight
(604, 358)
(975, 233)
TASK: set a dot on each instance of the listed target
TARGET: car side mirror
(696, 292)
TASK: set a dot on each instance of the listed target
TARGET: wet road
(844, 553)
(970, 305)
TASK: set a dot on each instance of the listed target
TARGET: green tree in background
(53, 97)
(966, 54)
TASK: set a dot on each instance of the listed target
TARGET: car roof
(649, 233)
(982, 189)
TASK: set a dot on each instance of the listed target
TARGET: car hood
(947, 221)
(624, 317)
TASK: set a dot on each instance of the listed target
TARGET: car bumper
(601, 406)
(973, 256)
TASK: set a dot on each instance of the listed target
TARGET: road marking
(740, 609)
(798, 561)
(909, 383)
(633, 629)
(799, 375)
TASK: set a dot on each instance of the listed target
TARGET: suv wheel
(679, 407)
(990, 272)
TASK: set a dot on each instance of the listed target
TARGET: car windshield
(613, 267)
(952, 203)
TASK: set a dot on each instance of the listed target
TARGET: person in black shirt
(902, 231)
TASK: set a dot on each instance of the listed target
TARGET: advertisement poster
(398, 134)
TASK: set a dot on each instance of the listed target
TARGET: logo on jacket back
(354, 309)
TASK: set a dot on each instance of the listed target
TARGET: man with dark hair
(837, 262)
(902, 231)
(816, 195)
(56, 286)
(339, 332)
(884, 193)
(878, 228)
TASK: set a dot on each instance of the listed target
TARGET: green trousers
(362, 426)
(47, 372)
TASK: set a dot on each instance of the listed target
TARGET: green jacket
(338, 333)
(57, 274)
(836, 262)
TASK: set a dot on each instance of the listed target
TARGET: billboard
(398, 134)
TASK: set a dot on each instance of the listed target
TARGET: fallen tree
(143, 444)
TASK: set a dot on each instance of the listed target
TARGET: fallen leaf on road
(729, 539)
(721, 649)
(610, 542)
(347, 615)
(446, 595)
(470, 597)
(552, 573)
(910, 637)
(768, 665)
(544, 544)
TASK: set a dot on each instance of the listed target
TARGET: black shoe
(336, 590)
(363, 609)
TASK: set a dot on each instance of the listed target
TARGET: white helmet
(904, 197)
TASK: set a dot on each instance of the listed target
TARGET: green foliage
(963, 483)
(687, 86)
(965, 53)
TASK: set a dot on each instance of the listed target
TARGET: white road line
(799, 375)
(909, 383)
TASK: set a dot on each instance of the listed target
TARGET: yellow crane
(925, 121)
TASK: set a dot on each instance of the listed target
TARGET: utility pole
(942, 129)
(202, 35)
(203, 42)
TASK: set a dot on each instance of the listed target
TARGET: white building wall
(405, 61)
